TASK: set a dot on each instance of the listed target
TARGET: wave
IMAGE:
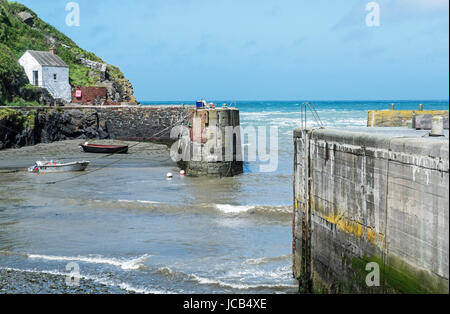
(293, 119)
(265, 260)
(254, 209)
(103, 281)
(221, 283)
(208, 208)
(127, 204)
(133, 264)
(137, 201)
(275, 275)
(233, 209)
(239, 286)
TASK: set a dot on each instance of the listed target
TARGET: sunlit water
(127, 226)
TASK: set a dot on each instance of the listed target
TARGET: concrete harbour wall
(214, 150)
(361, 198)
(398, 118)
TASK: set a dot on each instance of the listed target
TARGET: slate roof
(45, 58)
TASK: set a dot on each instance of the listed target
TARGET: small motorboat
(104, 149)
(56, 166)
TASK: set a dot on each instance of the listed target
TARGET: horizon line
(304, 100)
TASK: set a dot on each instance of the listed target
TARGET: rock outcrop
(29, 127)
(26, 17)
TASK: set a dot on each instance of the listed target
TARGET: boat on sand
(104, 149)
(56, 166)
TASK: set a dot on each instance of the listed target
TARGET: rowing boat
(105, 149)
(55, 166)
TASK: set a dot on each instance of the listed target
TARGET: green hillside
(17, 36)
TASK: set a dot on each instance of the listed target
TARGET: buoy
(182, 173)
(169, 175)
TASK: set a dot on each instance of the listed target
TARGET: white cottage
(47, 70)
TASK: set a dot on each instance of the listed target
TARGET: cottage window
(35, 78)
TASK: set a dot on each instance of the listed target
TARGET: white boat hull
(55, 167)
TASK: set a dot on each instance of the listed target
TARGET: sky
(185, 50)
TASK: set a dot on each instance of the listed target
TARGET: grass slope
(16, 37)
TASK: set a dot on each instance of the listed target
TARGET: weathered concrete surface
(370, 198)
(398, 118)
(20, 126)
(423, 121)
(209, 141)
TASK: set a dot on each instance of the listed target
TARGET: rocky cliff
(20, 30)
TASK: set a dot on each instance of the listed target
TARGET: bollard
(437, 126)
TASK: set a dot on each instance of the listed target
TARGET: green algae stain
(398, 280)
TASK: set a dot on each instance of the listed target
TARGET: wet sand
(17, 159)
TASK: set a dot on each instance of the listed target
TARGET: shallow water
(126, 225)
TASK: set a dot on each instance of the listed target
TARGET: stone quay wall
(360, 198)
(21, 126)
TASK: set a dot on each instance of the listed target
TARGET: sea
(126, 225)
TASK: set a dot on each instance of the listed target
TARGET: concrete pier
(214, 143)
(400, 118)
(364, 200)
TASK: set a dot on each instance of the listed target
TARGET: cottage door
(35, 78)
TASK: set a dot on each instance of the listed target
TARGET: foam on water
(138, 201)
(233, 209)
(266, 260)
(254, 209)
(222, 282)
(239, 286)
(277, 274)
(132, 264)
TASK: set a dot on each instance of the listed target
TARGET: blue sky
(266, 49)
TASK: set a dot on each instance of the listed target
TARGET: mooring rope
(109, 155)
(177, 123)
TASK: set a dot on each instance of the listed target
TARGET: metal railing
(304, 108)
